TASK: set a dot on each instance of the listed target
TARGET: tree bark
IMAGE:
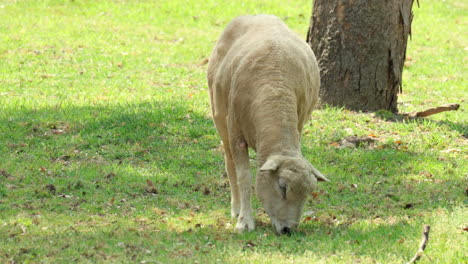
(360, 47)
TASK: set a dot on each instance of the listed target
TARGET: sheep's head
(282, 186)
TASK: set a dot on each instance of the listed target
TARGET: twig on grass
(422, 246)
(434, 110)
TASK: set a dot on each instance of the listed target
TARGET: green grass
(97, 97)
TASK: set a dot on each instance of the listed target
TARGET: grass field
(108, 153)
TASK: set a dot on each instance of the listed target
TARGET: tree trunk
(360, 47)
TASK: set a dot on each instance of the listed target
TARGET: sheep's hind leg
(231, 172)
(221, 125)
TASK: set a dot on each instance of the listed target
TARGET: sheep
(263, 83)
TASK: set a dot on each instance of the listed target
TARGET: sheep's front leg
(239, 149)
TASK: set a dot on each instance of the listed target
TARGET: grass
(99, 97)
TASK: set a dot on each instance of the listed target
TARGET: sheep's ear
(318, 175)
(321, 178)
(270, 165)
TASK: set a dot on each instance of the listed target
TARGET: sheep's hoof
(245, 224)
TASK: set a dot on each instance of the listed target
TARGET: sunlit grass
(100, 99)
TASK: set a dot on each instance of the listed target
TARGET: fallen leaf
(203, 62)
(220, 223)
(51, 188)
(353, 141)
(349, 131)
(183, 205)
(5, 174)
(315, 195)
(409, 206)
(407, 64)
(250, 244)
(309, 213)
(150, 183)
(110, 176)
(450, 150)
(64, 158)
(58, 131)
(151, 188)
(11, 186)
(426, 174)
(45, 76)
(36, 219)
(441, 158)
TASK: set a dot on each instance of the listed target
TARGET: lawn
(108, 153)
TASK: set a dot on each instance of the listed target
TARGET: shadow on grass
(170, 134)
(116, 147)
(108, 150)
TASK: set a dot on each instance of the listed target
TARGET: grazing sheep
(264, 82)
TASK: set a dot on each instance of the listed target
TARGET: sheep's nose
(286, 231)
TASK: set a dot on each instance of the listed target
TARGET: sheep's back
(259, 62)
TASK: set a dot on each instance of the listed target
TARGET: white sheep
(264, 82)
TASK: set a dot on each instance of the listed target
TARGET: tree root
(434, 110)
(422, 246)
